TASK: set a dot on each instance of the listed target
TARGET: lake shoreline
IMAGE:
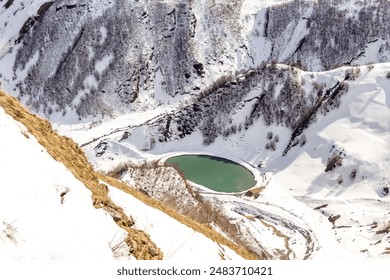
(256, 174)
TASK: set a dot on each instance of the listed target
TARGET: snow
(40, 225)
(300, 31)
(257, 39)
(87, 131)
(47, 214)
(370, 54)
(322, 217)
(14, 23)
(103, 32)
(11, 22)
(297, 183)
(91, 53)
(177, 241)
(359, 129)
(102, 64)
(90, 82)
(30, 63)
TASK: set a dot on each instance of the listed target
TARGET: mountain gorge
(296, 90)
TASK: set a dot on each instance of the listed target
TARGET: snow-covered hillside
(71, 61)
(327, 174)
(46, 213)
(297, 91)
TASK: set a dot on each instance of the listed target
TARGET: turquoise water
(215, 173)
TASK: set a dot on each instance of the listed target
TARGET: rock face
(95, 58)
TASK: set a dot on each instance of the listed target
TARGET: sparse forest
(112, 60)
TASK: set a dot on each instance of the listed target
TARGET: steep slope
(139, 244)
(16, 18)
(45, 212)
(113, 57)
(66, 152)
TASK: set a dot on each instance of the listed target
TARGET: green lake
(215, 173)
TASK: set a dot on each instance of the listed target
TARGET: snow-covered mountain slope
(135, 81)
(78, 59)
(326, 167)
(47, 213)
(178, 242)
(14, 17)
